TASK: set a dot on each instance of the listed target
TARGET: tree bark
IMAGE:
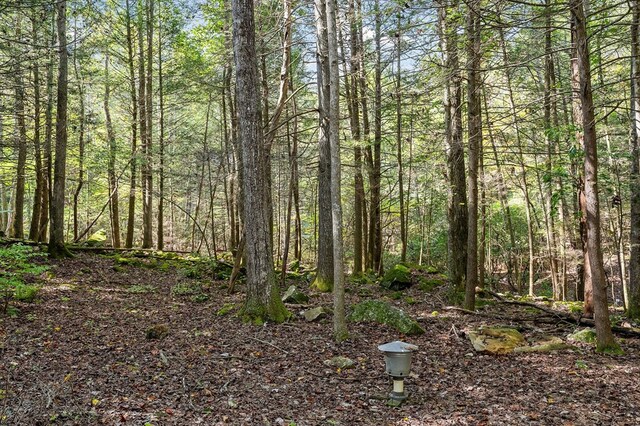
(605, 339)
(325, 265)
(17, 226)
(134, 130)
(114, 206)
(633, 309)
(263, 299)
(457, 200)
(474, 122)
(147, 142)
(56, 233)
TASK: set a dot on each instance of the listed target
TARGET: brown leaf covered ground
(80, 356)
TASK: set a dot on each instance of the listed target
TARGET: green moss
(322, 285)
(613, 349)
(226, 308)
(97, 239)
(410, 300)
(429, 283)
(256, 312)
(397, 278)
(587, 335)
(383, 313)
(141, 289)
(25, 293)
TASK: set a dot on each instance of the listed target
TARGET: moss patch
(496, 340)
(397, 278)
(586, 335)
(383, 313)
(322, 285)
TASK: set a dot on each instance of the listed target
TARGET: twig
(270, 344)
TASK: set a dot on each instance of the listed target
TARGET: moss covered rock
(293, 295)
(383, 313)
(397, 278)
(586, 335)
(496, 340)
(97, 239)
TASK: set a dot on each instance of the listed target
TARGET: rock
(496, 340)
(586, 335)
(397, 278)
(340, 362)
(97, 239)
(157, 332)
(292, 295)
(315, 313)
(383, 313)
(546, 344)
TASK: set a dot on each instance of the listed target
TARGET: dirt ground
(80, 355)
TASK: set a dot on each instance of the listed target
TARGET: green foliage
(19, 265)
(141, 289)
(429, 283)
(383, 313)
(226, 308)
(397, 278)
(186, 289)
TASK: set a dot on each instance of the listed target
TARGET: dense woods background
(495, 140)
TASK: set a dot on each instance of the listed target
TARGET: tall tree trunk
(114, 206)
(48, 136)
(263, 299)
(585, 279)
(325, 266)
(161, 136)
(354, 104)
(375, 213)
(34, 228)
(633, 309)
(448, 14)
(147, 169)
(605, 339)
(17, 228)
(56, 233)
(339, 319)
(134, 129)
(403, 225)
(474, 121)
(81, 145)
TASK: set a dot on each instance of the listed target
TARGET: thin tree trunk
(147, 170)
(474, 113)
(114, 205)
(34, 228)
(403, 225)
(161, 136)
(81, 144)
(134, 129)
(633, 308)
(17, 228)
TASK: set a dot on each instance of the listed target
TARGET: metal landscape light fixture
(397, 358)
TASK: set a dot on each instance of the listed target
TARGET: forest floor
(80, 355)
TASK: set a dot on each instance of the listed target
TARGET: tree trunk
(474, 121)
(403, 225)
(161, 177)
(325, 266)
(263, 299)
(147, 173)
(56, 234)
(134, 130)
(17, 227)
(81, 146)
(605, 339)
(633, 309)
(34, 228)
(114, 206)
(457, 208)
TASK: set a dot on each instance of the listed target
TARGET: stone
(397, 278)
(383, 313)
(97, 239)
(546, 344)
(340, 362)
(496, 340)
(586, 335)
(293, 295)
(315, 313)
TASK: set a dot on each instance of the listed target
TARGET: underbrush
(20, 268)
